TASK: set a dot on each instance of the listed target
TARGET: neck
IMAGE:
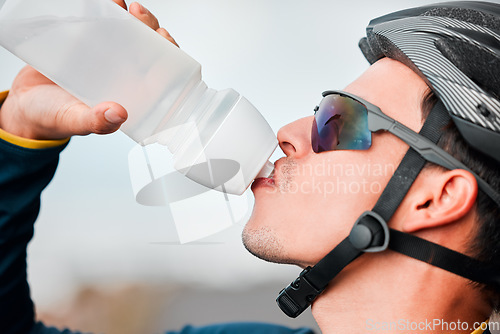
(412, 297)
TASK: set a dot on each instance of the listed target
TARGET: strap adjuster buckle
(370, 233)
(297, 296)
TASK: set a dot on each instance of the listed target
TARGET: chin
(262, 242)
(266, 243)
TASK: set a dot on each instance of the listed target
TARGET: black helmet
(448, 45)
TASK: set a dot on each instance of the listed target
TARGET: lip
(268, 181)
(265, 181)
(262, 182)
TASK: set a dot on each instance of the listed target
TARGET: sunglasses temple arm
(427, 149)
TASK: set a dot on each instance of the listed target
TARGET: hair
(484, 245)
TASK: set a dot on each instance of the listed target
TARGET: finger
(104, 118)
(144, 15)
(121, 3)
(164, 33)
(29, 77)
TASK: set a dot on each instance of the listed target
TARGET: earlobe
(440, 198)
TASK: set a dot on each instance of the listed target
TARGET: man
(440, 207)
(304, 212)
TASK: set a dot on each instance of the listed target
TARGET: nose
(295, 138)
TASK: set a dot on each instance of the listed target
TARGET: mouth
(261, 182)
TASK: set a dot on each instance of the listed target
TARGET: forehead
(394, 88)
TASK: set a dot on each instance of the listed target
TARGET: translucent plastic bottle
(99, 52)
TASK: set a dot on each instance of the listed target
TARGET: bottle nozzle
(266, 170)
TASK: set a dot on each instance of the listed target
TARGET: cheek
(324, 198)
(340, 197)
(325, 195)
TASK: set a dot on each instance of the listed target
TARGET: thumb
(104, 118)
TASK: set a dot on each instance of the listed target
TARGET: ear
(440, 198)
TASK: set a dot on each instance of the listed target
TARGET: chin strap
(371, 234)
(444, 258)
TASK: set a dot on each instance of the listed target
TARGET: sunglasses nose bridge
(295, 138)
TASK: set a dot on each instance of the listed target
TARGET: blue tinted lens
(340, 123)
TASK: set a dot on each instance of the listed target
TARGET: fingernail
(143, 9)
(113, 117)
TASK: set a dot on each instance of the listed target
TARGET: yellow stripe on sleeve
(481, 328)
(3, 96)
(30, 143)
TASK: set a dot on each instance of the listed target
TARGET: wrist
(17, 136)
(7, 123)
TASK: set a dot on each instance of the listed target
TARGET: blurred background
(101, 262)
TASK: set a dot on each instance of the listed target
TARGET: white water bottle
(99, 52)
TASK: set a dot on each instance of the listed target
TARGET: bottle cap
(234, 154)
(267, 170)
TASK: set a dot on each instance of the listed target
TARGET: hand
(36, 108)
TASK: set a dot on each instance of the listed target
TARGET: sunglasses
(343, 121)
(340, 123)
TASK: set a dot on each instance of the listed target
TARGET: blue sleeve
(242, 328)
(24, 173)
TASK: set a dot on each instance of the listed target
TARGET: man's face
(314, 199)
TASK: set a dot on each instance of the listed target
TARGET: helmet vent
(483, 19)
(483, 110)
(470, 59)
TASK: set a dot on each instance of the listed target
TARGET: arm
(24, 173)
(36, 119)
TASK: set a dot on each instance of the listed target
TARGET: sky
(280, 55)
